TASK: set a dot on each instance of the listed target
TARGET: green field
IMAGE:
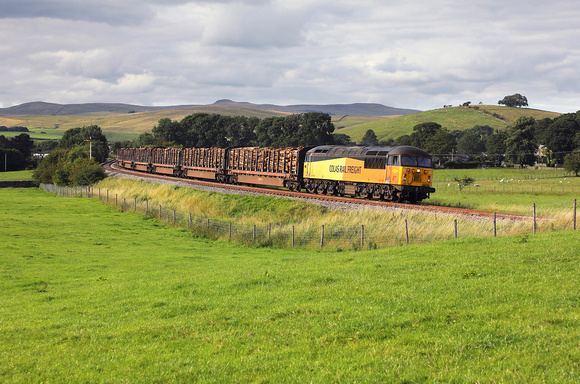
(459, 118)
(16, 176)
(90, 294)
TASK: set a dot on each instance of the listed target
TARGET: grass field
(16, 176)
(90, 294)
(450, 118)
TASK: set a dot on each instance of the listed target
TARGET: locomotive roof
(339, 150)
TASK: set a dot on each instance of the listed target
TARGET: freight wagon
(391, 173)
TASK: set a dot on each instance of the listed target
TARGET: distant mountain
(357, 109)
(40, 108)
(44, 109)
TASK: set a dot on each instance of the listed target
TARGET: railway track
(112, 167)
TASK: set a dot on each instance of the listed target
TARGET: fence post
(322, 237)
(230, 232)
(494, 225)
(292, 236)
(254, 233)
(208, 224)
(159, 211)
(269, 231)
(534, 218)
(189, 224)
(407, 231)
(362, 236)
(123, 204)
(107, 196)
(174, 217)
(574, 214)
(146, 207)
(455, 225)
(116, 198)
(135, 210)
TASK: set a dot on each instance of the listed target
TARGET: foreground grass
(94, 295)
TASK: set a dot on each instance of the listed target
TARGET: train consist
(400, 173)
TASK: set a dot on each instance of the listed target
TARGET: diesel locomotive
(399, 173)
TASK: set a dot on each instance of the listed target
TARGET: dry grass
(381, 227)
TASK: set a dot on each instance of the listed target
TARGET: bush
(68, 167)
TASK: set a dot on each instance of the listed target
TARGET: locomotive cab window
(394, 160)
(425, 162)
(409, 161)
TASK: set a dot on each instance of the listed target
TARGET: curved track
(111, 166)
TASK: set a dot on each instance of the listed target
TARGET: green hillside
(450, 118)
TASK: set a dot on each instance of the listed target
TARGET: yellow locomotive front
(391, 173)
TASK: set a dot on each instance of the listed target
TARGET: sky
(419, 54)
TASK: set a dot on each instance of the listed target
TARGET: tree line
(204, 130)
(527, 141)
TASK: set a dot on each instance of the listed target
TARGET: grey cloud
(103, 11)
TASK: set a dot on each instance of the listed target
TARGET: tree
(496, 147)
(521, 143)
(342, 139)
(463, 182)
(170, 131)
(441, 143)
(369, 138)
(572, 162)
(423, 132)
(81, 136)
(474, 140)
(515, 100)
(557, 136)
(23, 144)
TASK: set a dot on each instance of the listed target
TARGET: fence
(397, 233)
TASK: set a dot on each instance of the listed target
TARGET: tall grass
(365, 227)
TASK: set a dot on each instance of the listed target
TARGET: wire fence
(339, 237)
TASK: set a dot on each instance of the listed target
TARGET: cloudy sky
(417, 54)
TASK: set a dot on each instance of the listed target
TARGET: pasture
(91, 294)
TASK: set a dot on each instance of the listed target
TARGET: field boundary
(290, 236)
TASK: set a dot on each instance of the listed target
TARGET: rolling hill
(459, 118)
(126, 121)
